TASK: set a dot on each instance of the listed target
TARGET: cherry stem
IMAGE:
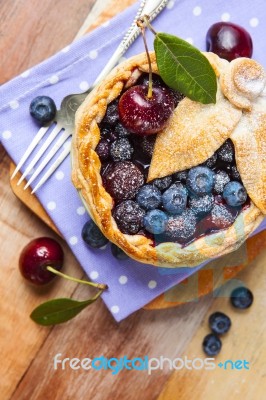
(142, 23)
(101, 286)
(146, 19)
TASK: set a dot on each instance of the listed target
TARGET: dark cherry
(157, 81)
(122, 180)
(229, 41)
(36, 256)
(142, 115)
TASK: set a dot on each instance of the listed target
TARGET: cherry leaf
(185, 68)
(57, 311)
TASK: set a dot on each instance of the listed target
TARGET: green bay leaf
(185, 68)
(57, 311)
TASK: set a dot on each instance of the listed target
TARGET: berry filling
(179, 208)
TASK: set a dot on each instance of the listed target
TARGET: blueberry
(92, 235)
(111, 117)
(43, 109)
(121, 131)
(241, 298)
(129, 217)
(234, 194)
(219, 323)
(211, 344)
(220, 180)
(149, 197)
(226, 152)
(175, 198)
(200, 180)
(221, 217)
(118, 253)
(181, 227)
(147, 144)
(102, 149)
(201, 205)
(180, 176)
(155, 221)
(210, 163)
(121, 150)
(163, 183)
(235, 174)
(108, 133)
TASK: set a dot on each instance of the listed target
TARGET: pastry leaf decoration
(185, 68)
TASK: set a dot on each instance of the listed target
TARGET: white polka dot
(66, 49)
(152, 284)
(122, 279)
(94, 274)
(254, 22)
(225, 17)
(197, 11)
(25, 74)
(106, 23)
(189, 40)
(14, 104)
(59, 175)
(84, 85)
(81, 210)
(93, 54)
(6, 135)
(170, 4)
(53, 79)
(115, 309)
(73, 240)
(51, 205)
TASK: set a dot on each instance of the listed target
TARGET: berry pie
(171, 181)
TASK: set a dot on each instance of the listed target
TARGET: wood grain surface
(27, 350)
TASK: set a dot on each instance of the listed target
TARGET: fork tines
(65, 134)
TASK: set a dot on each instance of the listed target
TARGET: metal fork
(64, 119)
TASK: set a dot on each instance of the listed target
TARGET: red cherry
(36, 256)
(229, 41)
(143, 115)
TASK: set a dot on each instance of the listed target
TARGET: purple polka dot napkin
(73, 69)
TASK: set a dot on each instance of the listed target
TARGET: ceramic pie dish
(227, 138)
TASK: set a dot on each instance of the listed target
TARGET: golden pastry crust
(87, 179)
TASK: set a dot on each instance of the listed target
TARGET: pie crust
(239, 114)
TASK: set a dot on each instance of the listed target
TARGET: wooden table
(30, 31)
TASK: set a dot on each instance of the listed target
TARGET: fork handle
(147, 7)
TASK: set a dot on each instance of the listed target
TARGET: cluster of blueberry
(180, 207)
(219, 323)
